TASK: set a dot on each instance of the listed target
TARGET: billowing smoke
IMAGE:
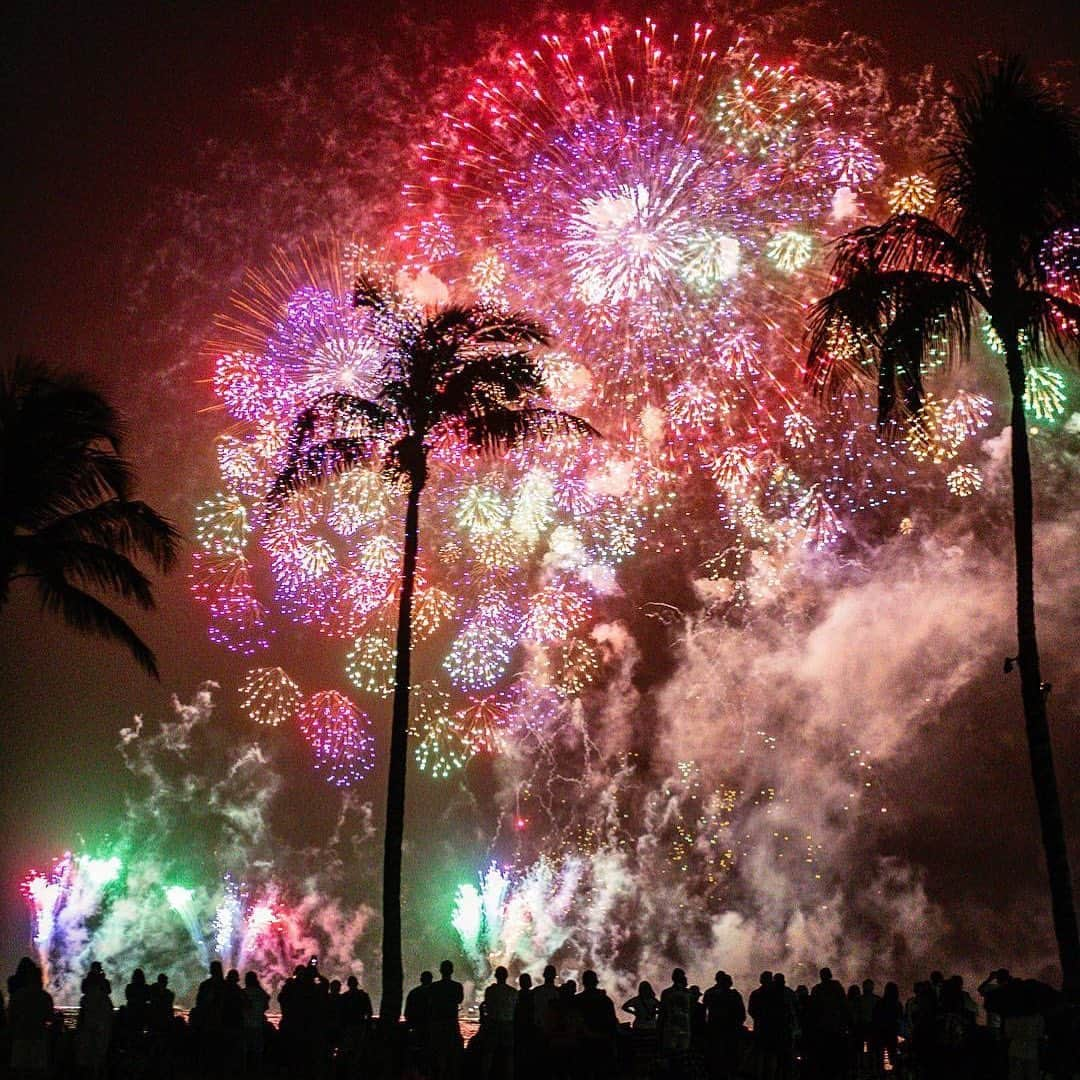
(756, 808)
(196, 872)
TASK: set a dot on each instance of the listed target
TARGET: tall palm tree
(456, 368)
(1008, 176)
(67, 519)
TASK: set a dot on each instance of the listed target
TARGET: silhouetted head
(826, 975)
(646, 991)
(138, 977)
(695, 992)
(233, 976)
(589, 980)
(1003, 975)
(779, 980)
(678, 977)
(298, 971)
(352, 982)
(854, 992)
(251, 979)
(446, 969)
(525, 981)
(95, 966)
(426, 978)
(501, 974)
(868, 986)
(335, 986)
(568, 988)
(215, 969)
(801, 991)
(724, 980)
(892, 992)
(549, 974)
(936, 978)
(765, 978)
(163, 979)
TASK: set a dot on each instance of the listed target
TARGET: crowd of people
(548, 1030)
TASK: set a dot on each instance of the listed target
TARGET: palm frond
(131, 528)
(1009, 171)
(93, 565)
(888, 321)
(314, 463)
(491, 381)
(500, 429)
(89, 615)
(1051, 324)
(903, 242)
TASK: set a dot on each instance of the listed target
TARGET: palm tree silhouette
(1008, 176)
(463, 368)
(67, 519)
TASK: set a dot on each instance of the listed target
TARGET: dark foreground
(552, 1031)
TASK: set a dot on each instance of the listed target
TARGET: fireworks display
(665, 204)
(665, 208)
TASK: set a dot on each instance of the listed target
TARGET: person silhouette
(30, 1010)
(598, 1028)
(500, 1002)
(673, 1027)
(93, 1028)
(724, 1018)
(418, 1022)
(254, 1004)
(829, 1025)
(525, 1029)
(644, 1007)
(137, 1000)
(444, 1037)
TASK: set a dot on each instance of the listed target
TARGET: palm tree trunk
(1032, 691)
(393, 976)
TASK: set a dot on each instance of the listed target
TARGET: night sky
(116, 118)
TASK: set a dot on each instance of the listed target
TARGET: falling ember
(269, 696)
(913, 194)
(339, 735)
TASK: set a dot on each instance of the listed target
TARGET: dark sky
(108, 106)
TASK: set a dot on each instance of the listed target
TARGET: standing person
(93, 1029)
(885, 1030)
(762, 1008)
(233, 1005)
(543, 998)
(356, 1015)
(524, 1029)
(564, 1033)
(598, 1029)
(418, 1023)
(854, 1043)
(500, 1001)
(137, 1000)
(206, 1018)
(786, 1006)
(724, 1018)
(159, 1023)
(444, 1038)
(673, 1027)
(644, 1007)
(868, 1002)
(828, 1014)
(30, 1011)
(256, 1002)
